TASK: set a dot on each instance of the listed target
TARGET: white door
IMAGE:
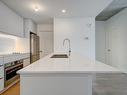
(46, 43)
(108, 48)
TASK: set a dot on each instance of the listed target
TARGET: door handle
(109, 50)
(41, 51)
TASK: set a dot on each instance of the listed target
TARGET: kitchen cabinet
(29, 26)
(5, 59)
(10, 22)
(1, 74)
(14, 57)
(1, 84)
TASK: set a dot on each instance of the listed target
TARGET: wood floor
(110, 84)
(14, 90)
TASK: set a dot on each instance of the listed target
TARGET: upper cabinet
(10, 22)
(29, 26)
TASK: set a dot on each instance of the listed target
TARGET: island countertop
(73, 64)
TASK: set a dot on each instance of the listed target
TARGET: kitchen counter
(5, 59)
(61, 76)
(73, 64)
(13, 57)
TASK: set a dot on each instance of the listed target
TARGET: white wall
(76, 29)
(116, 27)
(45, 27)
(100, 36)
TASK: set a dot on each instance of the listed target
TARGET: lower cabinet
(1, 78)
(9, 59)
(1, 84)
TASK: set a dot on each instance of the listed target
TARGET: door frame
(42, 51)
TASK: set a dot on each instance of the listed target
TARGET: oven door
(11, 75)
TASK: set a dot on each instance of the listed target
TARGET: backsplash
(22, 45)
(10, 44)
(7, 45)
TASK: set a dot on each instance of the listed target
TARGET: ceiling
(52, 8)
(115, 7)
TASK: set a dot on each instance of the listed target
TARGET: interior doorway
(46, 43)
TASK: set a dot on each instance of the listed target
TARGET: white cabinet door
(10, 22)
(1, 78)
(1, 84)
(1, 71)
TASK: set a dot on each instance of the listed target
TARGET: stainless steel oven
(10, 70)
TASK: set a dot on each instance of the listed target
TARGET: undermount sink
(59, 56)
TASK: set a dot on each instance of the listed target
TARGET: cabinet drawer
(1, 60)
(2, 71)
(1, 84)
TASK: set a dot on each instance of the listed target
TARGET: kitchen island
(61, 76)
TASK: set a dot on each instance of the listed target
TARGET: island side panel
(56, 84)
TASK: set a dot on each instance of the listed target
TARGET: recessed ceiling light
(63, 11)
(36, 9)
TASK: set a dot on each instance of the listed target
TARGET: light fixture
(7, 36)
(36, 8)
(63, 11)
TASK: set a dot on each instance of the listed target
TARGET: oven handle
(9, 68)
(15, 69)
(1, 78)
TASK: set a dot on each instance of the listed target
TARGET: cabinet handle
(1, 65)
(41, 51)
(109, 50)
(1, 78)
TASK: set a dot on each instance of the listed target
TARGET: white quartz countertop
(7, 58)
(73, 64)
(11, 54)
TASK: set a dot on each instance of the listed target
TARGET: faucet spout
(69, 52)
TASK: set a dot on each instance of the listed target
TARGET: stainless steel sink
(59, 56)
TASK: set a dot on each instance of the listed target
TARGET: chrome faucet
(69, 52)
